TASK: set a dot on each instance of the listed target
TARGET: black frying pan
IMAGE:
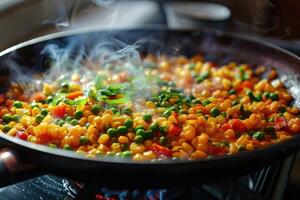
(215, 46)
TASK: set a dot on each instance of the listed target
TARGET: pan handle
(8, 164)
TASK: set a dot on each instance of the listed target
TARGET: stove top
(262, 184)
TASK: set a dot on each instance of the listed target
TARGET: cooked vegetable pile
(192, 109)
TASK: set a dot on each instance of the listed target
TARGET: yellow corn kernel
(123, 140)
(91, 118)
(103, 139)
(150, 105)
(130, 136)
(182, 118)
(12, 132)
(116, 147)
(137, 148)
(138, 157)
(187, 148)
(233, 148)
(148, 143)
(229, 134)
(87, 113)
(82, 121)
(106, 119)
(198, 155)
(35, 111)
(203, 138)
(11, 124)
(249, 147)
(149, 155)
(116, 124)
(202, 147)
(243, 140)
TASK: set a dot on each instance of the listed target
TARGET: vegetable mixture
(194, 109)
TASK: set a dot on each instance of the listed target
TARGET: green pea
(199, 79)
(7, 118)
(128, 123)
(18, 104)
(163, 129)
(147, 118)
(154, 127)
(258, 97)
(74, 122)
(67, 147)
(163, 140)
(15, 118)
(251, 95)
(266, 95)
(141, 132)
(6, 128)
(214, 112)
(126, 111)
(39, 118)
(61, 123)
(126, 154)
(122, 130)
(224, 114)
(274, 96)
(138, 139)
(83, 139)
(44, 112)
(96, 109)
(68, 119)
(78, 114)
(206, 102)
(259, 135)
(139, 127)
(112, 132)
(148, 135)
(232, 91)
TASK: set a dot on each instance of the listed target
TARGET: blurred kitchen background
(276, 21)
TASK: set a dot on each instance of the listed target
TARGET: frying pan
(215, 45)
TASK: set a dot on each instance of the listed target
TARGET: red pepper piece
(161, 150)
(22, 135)
(280, 123)
(238, 125)
(245, 84)
(218, 151)
(225, 126)
(74, 95)
(174, 130)
(200, 107)
(59, 111)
